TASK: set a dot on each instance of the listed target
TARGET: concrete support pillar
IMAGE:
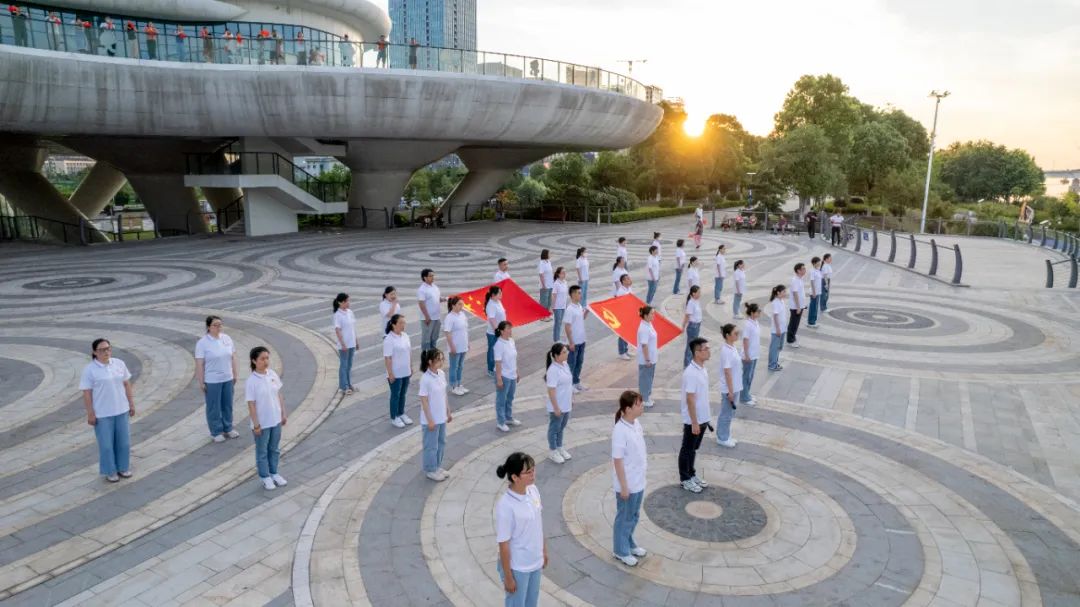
(219, 198)
(380, 170)
(97, 189)
(489, 168)
(264, 215)
(172, 205)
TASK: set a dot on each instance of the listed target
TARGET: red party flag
(520, 308)
(620, 314)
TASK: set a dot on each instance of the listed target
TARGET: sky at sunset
(1013, 67)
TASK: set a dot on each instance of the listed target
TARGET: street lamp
(750, 188)
(930, 163)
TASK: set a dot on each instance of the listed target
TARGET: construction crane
(630, 64)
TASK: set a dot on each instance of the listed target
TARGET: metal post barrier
(389, 218)
(858, 239)
(1043, 243)
(465, 219)
(892, 246)
(412, 215)
(713, 219)
(933, 257)
(363, 217)
(958, 270)
(1049, 275)
(911, 262)
(873, 249)
(1030, 234)
(1072, 274)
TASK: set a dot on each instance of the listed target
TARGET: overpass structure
(221, 96)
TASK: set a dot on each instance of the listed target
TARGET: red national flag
(520, 308)
(620, 314)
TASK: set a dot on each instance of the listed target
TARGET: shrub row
(649, 213)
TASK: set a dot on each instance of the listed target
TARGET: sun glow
(694, 125)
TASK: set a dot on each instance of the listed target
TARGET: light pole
(930, 163)
(750, 187)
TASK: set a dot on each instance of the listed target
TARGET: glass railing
(243, 43)
(265, 163)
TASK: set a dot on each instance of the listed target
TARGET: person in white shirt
(691, 323)
(652, 266)
(574, 325)
(693, 275)
(581, 262)
(680, 265)
(837, 223)
(617, 272)
(629, 466)
(547, 280)
(519, 532)
(388, 306)
(506, 376)
(345, 332)
(731, 374)
(495, 313)
(266, 408)
(739, 275)
(751, 351)
(815, 292)
(647, 353)
(777, 308)
(826, 280)
(430, 299)
(656, 243)
(504, 270)
(625, 284)
(620, 251)
(560, 297)
(215, 370)
(797, 304)
(559, 380)
(397, 356)
(434, 414)
(696, 414)
(457, 339)
(109, 399)
(721, 273)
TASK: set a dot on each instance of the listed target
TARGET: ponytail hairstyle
(692, 261)
(727, 330)
(492, 291)
(503, 325)
(451, 302)
(679, 242)
(720, 249)
(656, 235)
(94, 346)
(690, 295)
(515, 465)
(255, 353)
(387, 291)
(627, 399)
(545, 254)
(580, 252)
(826, 258)
(210, 320)
(653, 249)
(739, 264)
(616, 266)
(393, 321)
(777, 291)
(751, 309)
(429, 356)
(559, 270)
(340, 299)
(556, 349)
(644, 311)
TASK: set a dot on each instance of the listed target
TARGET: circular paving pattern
(882, 318)
(717, 514)
(77, 282)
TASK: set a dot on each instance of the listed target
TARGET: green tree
(531, 192)
(801, 160)
(822, 101)
(913, 132)
(876, 150)
(615, 170)
(568, 170)
(669, 152)
(978, 170)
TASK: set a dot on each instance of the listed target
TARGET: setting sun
(694, 125)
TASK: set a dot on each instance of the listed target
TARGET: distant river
(1054, 187)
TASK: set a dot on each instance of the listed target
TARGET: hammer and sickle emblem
(610, 318)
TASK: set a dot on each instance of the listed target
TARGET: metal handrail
(958, 268)
(264, 163)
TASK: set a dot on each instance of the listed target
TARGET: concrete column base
(265, 216)
(172, 205)
(97, 189)
(489, 168)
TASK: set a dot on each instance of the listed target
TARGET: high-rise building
(435, 24)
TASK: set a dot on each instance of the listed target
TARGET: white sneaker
(456, 390)
(737, 316)
(723, 301)
(233, 434)
(397, 423)
(279, 480)
(565, 454)
(582, 387)
(812, 326)
(578, 389)
(700, 481)
(751, 403)
(444, 472)
(464, 390)
(513, 422)
(639, 552)
(503, 427)
(546, 319)
(268, 484)
(408, 420)
(691, 486)
(729, 443)
(649, 404)
(625, 356)
(794, 345)
(628, 560)
(220, 438)
(556, 457)
(435, 476)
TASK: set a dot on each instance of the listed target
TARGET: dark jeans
(835, 236)
(811, 229)
(688, 450)
(399, 388)
(576, 359)
(793, 325)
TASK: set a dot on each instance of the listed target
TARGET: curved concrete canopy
(58, 94)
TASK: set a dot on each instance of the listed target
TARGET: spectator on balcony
(18, 23)
(534, 69)
(55, 30)
(207, 45)
(413, 48)
(230, 46)
(241, 55)
(347, 51)
(131, 33)
(380, 58)
(315, 56)
(181, 43)
(108, 37)
(279, 48)
(151, 40)
(264, 35)
(301, 50)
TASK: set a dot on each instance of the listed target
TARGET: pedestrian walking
(731, 376)
(519, 532)
(648, 354)
(699, 230)
(751, 351)
(739, 275)
(266, 408)
(503, 270)
(506, 376)
(581, 262)
(811, 219)
(574, 325)
(109, 398)
(397, 356)
(434, 414)
(617, 272)
(777, 308)
(797, 305)
(560, 297)
(345, 331)
(547, 279)
(815, 291)
(495, 313)
(691, 321)
(826, 280)
(380, 57)
(652, 266)
(680, 265)
(620, 251)
(721, 273)
(215, 370)
(625, 287)
(429, 298)
(693, 275)
(559, 380)
(457, 340)
(389, 305)
(696, 414)
(629, 465)
(837, 224)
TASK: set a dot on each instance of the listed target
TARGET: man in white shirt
(695, 414)
(721, 274)
(504, 270)
(574, 321)
(796, 304)
(620, 251)
(837, 222)
(826, 280)
(547, 281)
(652, 266)
(428, 297)
(656, 243)
(815, 291)
(680, 264)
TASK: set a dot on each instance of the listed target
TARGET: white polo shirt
(628, 444)
(826, 271)
(457, 325)
(500, 275)
(433, 386)
(621, 290)
(575, 317)
(398, 348)
(653, 265)
(797, 286)
(616, 275)
(559, 377)
(346, 321)
(106, 385)
(646, 336)
(815, 281)
(659, 247)
(730, 359)
(620, 251)
(263, 389)
(721, 266)
(740, 282)
(693, 277)
(680, 258)
(693, 309)
(387, 309)
(217, 357)
(546, 273)
(777, 309)
(496, 313)
(582, 265)
(519, 520)
(695, 380)
(836, 220)
(752, 333)
(560, 295)
(506, 353)
(430, 295)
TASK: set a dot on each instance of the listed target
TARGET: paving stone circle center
(717, 514)
(882, 318)
(448, 254)
(704, 509)
(71, 282)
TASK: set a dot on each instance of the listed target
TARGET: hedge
(649, 213)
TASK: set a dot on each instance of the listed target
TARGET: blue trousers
(678, 279)
(266, 451)
(504, 400)
(735, 304)
(627, 513)
(429, 334)
(528, 588)
(584, 291)
(693, 329)
(345, 358)
(545, 298)
(114, 443)
(623, 346)
(775, 345)
(652, 290)
(824, 297)
(491, 339)
(434, 445)
(645, 375)
(399, 388)
(556, 427)
(219, 407)
(748, 368)
(457, 362)
(723, 419)
(718, 288)
(556, 331)
(813, 311)
(576, 359)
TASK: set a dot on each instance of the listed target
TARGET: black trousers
(811, 229)
(688, 450)
(835, 235)
(793, 325)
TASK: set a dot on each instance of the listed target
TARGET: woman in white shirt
(620, 251)
(647, 353)
(547, 277)
(388, 306)
(581, 262)
(721, 274)
(560, 297)
(434, 413)
(519, 532)
(506, 376)
(624, 288)
(777, 310)
(826, 280)
(731, 374)
(693, 276)
(691, 323)
(457, 338)
(109, 400)
(560, 396)
(345, 331)
(495, 313)
(617, 272)
(751, 351)
(397, 350)
(628, 461)
(266, 408)
(215, 370)
(740, 287)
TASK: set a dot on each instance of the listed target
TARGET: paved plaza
(921, 448)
